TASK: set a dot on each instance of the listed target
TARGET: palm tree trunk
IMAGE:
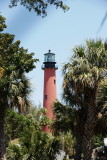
(88, 133)
(2, 137)
(78, 149)
(79, 134)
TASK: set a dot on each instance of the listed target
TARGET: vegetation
(15, 61)
(80, 123)
(39, 6)
(23, 137)
(27, 141)
(83, 86)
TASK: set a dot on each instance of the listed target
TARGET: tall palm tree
(101, 125)
(82, 76)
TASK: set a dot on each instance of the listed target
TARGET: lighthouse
(49, 94)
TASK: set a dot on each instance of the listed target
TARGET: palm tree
(18, 93)
(14, 88)
(68, 120)
(101, 125)
(82, 77)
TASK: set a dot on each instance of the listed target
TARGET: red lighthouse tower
(49, 94)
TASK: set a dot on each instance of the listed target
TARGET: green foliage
(2, 23)
(39, 145)
(32, 142)
(85, 92)
(39, 6)
(16, 152)
(15, 62)
(83, 77)
(69, 143)
(64, 121)
(102, 94)
(98, 141)
(15, 124)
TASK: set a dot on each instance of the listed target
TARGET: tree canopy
(84, 77)
(39, 6)
(27, 141)
(15, 61)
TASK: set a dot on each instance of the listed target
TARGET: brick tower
(49, 94)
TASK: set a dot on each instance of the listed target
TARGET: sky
(59, 31)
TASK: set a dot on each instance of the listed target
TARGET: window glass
(49, 58)
(46, 96)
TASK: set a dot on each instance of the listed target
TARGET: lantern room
(49, 57)
(49, 60)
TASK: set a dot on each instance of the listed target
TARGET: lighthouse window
(54, 81)
(46, 96)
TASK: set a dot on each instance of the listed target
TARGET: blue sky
(59, 32)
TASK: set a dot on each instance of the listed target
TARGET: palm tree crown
(83, 77)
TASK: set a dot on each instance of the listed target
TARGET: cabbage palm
(82, 77)
(18, 93)
(14, 88)
(101, 126)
